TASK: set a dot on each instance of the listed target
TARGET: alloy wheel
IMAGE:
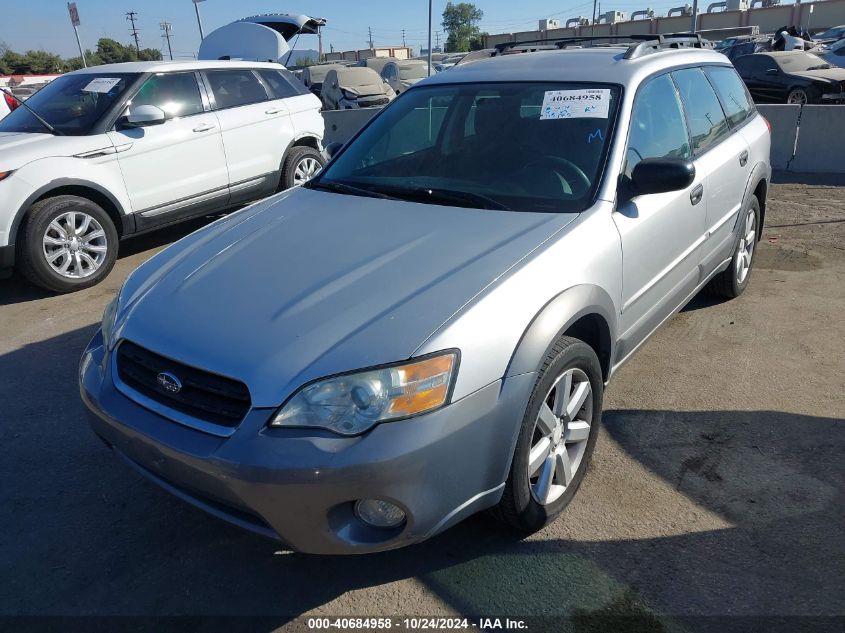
(306, 169)
(561, 433)
(745, 250)
(75, 245)
(798, 97)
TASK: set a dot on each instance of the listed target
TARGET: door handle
(204, 127)
(696, 194)
(743, 158)
(273, 111)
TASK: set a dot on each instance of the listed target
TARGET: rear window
(280, 85)
(706, 121)
(232, 88)
(732, 93)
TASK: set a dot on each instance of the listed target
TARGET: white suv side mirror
(145, 115)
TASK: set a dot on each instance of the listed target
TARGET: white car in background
(114, 150)
(355, 87)
(401, 75)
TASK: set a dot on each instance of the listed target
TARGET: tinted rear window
(732, 93)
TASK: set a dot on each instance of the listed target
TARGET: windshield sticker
(101, 84)
(576, 104)
(595, 135)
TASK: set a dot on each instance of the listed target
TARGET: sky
(44, 24)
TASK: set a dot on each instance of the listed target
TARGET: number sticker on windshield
(576, 104)
(101, 84)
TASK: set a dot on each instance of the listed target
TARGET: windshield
(413, 71)
(317, 74)
(801, 61)
(516, 146)
(72, 103)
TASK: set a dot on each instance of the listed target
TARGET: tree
(460, 21)
(113, 52)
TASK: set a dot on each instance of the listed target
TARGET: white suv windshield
(72, 104)
(516, 146)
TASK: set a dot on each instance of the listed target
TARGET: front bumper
(299, 485)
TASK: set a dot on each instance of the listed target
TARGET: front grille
(203, 395)
(374, 102)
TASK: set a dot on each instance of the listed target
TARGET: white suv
(114, 150)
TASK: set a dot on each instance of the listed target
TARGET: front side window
(72, 104)
(735, 99)
(178, 94)
(657, 124)
(516, 146)
(232, 88)
(706, 121)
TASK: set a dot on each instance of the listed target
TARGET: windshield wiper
(457, 198)
(341, 187)
(34, 113)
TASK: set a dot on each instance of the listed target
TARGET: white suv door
(256, 128)
(176, 164)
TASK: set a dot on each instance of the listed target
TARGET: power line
(167, 27)
(130, 15)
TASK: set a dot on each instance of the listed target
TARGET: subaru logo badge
(169, 382)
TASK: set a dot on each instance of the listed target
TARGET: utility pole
(130, 15)
(403, 37)
(370, 29)
(437, 39)
(319, 43)
(167, 27)
(430, 2)
(694, 16)
(593, 23)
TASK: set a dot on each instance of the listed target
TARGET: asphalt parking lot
(717, 488)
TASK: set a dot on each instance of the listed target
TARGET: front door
(172, 167)
(661, 233)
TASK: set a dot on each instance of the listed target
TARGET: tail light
(11, 101)
(768, 125)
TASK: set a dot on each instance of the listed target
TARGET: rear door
(721, 152)
(172, 167)
(256, 130)
(303, 107)
(661, 233)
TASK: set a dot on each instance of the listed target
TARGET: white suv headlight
(352, 403)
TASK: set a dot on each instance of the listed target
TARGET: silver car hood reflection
(312, 283)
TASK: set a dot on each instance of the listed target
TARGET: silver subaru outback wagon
(425, 329)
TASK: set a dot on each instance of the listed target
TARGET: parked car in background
(119, 149)
(830, 35)
(376, 63)
(791, 77)
(314, 76)
(833, 54)
(747, 45)
(424, 330)
(401, 75)
(355, 87)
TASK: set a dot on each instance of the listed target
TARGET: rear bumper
(299, 486)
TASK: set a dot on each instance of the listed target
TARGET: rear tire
(732, 282)
(301, 164)
(570, 381)
(67, 243)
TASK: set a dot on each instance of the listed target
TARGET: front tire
(798, 96)
(67, 243)
(557, 438)
(301, 164)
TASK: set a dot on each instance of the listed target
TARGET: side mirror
(333, 148)
(659, 175)
(145, 115)
(771, 71)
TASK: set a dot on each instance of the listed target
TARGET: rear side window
(282, 88)
(657, 124)
(178, 94)
(732, 93)
(706, 121)
(233, 88)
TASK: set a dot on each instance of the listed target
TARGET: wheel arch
(757, 185)
(585, 312)
(123, 222)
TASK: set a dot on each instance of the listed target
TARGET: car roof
(605, 64)
(166, 66)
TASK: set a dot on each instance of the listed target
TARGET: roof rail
(643, 43)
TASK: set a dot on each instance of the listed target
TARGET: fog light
(379, 513)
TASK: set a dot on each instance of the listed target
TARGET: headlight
(352, 403)
(108, 320)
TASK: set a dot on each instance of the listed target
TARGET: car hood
(19, 148)
(828, 74)
(312, 283)
(366, 90)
